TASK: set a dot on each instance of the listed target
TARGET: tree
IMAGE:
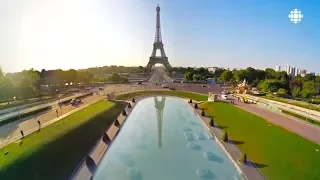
(7, 88)
(308, 89)
(282, 75)
(270, 85)
(218, 72)
(124, 79)
(1, 73)
(188, 76)
(282, 92)
(85, 77)
(26, 88)
(251, 74)
(317, 79)
(270, 73)
(309, 77)
(296, 92)
(71, 76)
(240, 75)
(197, 77)
(226, 76)
(296, 82)
(115, 77)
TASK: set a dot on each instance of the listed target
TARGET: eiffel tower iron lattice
(158, 45)
(159, 108)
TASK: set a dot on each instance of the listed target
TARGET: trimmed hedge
(69, 100)
(225, 137)
(243, 159)
(14, 118)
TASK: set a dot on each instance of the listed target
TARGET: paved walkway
(11, 132)
(250, 172)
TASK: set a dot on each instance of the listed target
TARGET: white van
(225, 97)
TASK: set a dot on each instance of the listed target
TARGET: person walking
(57, 113)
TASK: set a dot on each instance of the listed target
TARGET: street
(54, 104)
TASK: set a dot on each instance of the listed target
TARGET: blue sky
(87, 33)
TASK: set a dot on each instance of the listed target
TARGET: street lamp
(59, 97)
(15, 99)
(310, 107)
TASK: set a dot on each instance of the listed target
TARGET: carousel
(243, 88)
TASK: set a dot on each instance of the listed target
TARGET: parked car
(225, 97)
(101, 89)
(139, 83)
(73, 102)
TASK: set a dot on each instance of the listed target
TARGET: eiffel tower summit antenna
(163, 59)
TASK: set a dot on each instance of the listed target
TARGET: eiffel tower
(159, 107)
(163, 59)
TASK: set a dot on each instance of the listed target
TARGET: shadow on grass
(236, 142)
(258, 165)
(59, 158)
(222, 127)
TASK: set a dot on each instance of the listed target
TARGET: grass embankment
(279, 154)
(27, 114)
(191, 95)
(55, 151)
(303, 118)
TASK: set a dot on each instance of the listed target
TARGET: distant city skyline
(65, 34)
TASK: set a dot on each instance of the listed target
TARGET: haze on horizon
(64, 34)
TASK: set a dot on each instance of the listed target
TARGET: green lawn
(55, 151)
(280, 154)
(195, 96)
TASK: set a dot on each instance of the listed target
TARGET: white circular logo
(295, 16)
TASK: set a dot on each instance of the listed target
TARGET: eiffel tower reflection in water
(159, 104)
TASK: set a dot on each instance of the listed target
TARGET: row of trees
(100, 71)
(191, 74)
(271, 81)
(32, 83)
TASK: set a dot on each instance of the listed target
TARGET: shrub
(133, 100)
(124, 113)
(225, 137)
(243, 159)
(190, 101)
(196, 106)
(116, 123)
(203, 113)
(129, 105)
(106, 138)
(211, 122)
